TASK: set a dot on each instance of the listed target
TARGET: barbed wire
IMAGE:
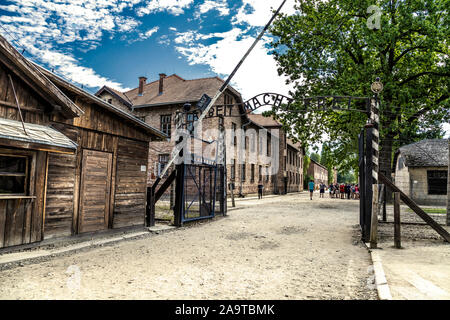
(14, 39)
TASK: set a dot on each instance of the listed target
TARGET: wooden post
(384, 203)
(382, 189)
(179, 195)
(374, 219)
(410, 203)
(232, 194)
(172, 196)
(397, 235)
(150, 214)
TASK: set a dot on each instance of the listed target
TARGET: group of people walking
(336, 190)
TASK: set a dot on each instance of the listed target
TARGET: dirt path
(286, 247)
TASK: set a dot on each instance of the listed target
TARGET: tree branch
(406, 51)
(428, 108)
(422, 74)
(352, 56)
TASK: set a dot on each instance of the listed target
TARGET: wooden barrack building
(70, 162)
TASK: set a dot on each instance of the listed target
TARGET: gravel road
(285, 247)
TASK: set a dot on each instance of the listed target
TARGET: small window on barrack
(13, 174)
(437, 181)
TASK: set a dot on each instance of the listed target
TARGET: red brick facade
(319, 173)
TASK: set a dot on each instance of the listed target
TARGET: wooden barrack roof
(31, 75)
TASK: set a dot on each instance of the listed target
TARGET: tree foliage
(328, 159)
(315, 156)
(328, 49)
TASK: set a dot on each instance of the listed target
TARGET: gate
(199, 192)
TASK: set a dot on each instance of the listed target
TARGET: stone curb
(384, 293)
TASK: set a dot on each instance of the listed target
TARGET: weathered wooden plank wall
(96, 118)
(57, 177)
(128, 182)
(60, 199)
(95, 191)
(131, 183)
(31, 104)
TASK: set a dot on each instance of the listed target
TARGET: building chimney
(161, 82)
(142, 81)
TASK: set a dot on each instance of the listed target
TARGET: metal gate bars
(198, 192)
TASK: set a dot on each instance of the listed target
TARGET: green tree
(346, 177)
(328, 160)
(306, 177)
(315, 156)
(327, 48)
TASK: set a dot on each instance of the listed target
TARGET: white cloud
(190, 36)
(218, 5)
(151, 31)
(258, 13)
(144, 35)
(69, 68)
(258, 73)
(446, 127)
(164, 40)
(44, 27)
(175, 7)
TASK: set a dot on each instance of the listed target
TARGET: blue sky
(113, 42)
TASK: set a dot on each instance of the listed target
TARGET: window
(233, 127)
(268, 146)
(252, 172)
(437, 181)
(253, 142)
(233, 169)
(163, 159)
(142, 118)
(13, 174)
(109, 101)
(191, 118)
(242, 172)
(227, 99)
(260, 173)
(166, 121)
(267, 174)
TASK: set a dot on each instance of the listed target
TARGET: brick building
(318, 172)
(421, 171)
(157, 103)
(290, 174)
